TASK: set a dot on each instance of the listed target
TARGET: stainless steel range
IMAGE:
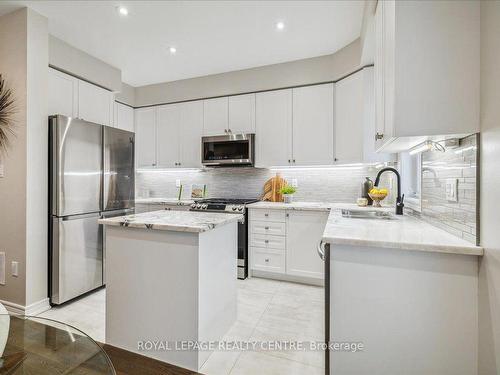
(234, 206)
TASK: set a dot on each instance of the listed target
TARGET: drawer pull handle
(266, 215)
(267, 260)
(266, 228)
(266, 241)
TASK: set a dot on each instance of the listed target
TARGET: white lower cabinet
(304, 232)
(283, 243)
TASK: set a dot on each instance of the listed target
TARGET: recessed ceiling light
(280, 25)
(172, 50)
(123, 11)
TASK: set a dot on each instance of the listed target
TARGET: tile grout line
(254, 328)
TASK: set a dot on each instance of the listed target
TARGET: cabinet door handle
(267, 260)
(266, 241)
(294, 160)
(266, 228)
(379, 136)
(289, 160)
(225, 131)
(335, 159)
(266, 215)
(229, 130)
(321, 250)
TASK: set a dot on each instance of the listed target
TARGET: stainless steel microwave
(228, 150)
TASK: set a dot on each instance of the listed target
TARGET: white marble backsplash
(458, 218)
(336, 184)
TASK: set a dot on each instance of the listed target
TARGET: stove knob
(234, 208)
(193, 205)
(198, 206)
(240, 208)
(204, 206)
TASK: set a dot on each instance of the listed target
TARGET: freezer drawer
(76, 256)
(75, 167)
(119, 173)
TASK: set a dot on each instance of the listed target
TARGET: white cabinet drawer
(268, 215)
(265, 227)
(268, 241)
(268, 260)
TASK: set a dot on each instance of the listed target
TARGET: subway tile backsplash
(339, 184)
(458, 218)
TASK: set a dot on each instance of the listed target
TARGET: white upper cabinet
(313, 125)
(95, 104)
(241, 113)
(349, 119)
(63, 94)
(190, 132)
(215, 116)
(426, 70)
(145, 139)
(167, 135)
(369, 121)
(273, 128)
(124, 117)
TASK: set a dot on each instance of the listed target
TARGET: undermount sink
(368, 214)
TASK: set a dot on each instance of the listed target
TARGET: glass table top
(32, 345)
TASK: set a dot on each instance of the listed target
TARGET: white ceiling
(210, 36)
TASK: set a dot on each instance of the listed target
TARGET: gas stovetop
(229, 205)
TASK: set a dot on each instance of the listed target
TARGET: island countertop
(179, 221)
(402, 232)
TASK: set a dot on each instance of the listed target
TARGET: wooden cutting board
(272, 188)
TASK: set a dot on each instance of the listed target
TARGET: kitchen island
(406, 291)
(170, 282)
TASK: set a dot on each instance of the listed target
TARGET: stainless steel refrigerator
(91, 175)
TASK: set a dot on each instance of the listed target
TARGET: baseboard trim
(30, 310)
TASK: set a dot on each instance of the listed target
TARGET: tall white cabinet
(145, 137)
(273, 128)
(349, 105)
(312, 129)
(426, 70)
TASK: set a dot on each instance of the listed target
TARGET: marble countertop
(166, 201)
(301, 206)
(402, 232)
(179, 221)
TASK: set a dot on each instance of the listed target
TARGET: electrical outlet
(295, 183)
(178, 182)
(452, 190)
(15, 268)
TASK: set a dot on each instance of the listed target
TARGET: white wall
(489, 275)
(78, 63)
(37, 149)
(300, 72)
(13, 66)
(126, 95)
(23, 190)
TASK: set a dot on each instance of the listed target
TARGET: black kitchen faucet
(400, 199)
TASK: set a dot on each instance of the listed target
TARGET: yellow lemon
(383, 191)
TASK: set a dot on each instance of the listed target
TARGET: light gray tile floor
(268, 311)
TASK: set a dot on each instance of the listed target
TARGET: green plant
(6, 112)
(288, 189)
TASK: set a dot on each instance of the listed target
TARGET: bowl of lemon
(378, 195)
